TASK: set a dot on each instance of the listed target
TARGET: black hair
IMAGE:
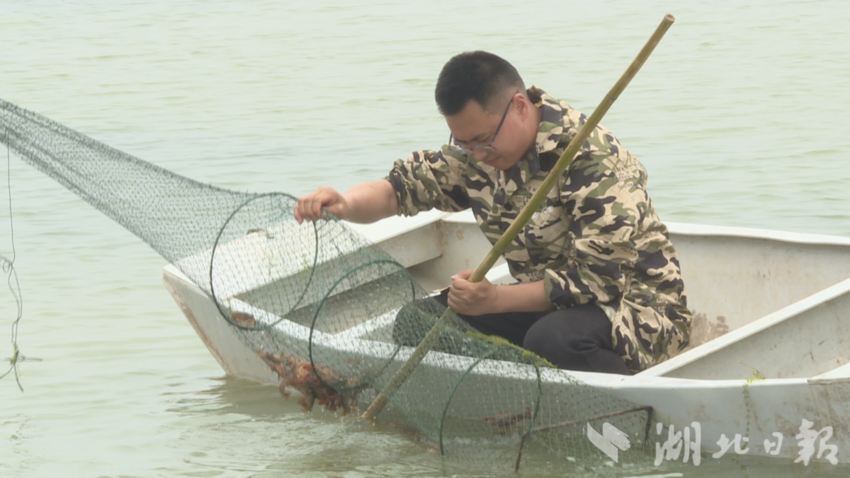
(474, 75)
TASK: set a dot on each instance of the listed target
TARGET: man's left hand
(472, 298)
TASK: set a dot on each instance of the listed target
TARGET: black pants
(574, 338)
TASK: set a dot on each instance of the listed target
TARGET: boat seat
(840, 374)
(804, 339)
(395, 235)
(501, 275)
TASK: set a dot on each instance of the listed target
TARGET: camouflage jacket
(595, 239)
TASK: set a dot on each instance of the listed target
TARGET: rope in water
(8, 266)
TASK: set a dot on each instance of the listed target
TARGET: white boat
(768, 370)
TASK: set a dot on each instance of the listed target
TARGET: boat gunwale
(491, 367)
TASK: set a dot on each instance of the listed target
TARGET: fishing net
(336, 317)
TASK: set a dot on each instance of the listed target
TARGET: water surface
(739, 116)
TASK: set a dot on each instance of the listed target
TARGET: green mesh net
(336, 317)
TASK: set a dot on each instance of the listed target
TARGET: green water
(739, 116)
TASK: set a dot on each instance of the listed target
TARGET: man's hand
(472, 298)
(310, 206)
(364, 203)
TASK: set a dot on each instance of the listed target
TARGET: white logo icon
(610, 441)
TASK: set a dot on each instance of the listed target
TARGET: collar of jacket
(548, 136)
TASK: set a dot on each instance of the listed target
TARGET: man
(599, 284)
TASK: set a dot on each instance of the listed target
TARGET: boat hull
(773, 379)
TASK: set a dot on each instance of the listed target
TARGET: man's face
(492, 138)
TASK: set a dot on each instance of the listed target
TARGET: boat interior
(766, 303)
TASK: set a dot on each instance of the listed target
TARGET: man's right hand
(310, 206)
(364, 203)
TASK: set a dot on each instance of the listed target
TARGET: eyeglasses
(488, 146)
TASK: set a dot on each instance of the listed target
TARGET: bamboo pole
(524, 215)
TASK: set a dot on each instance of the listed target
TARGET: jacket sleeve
(429, 179)
(604, 205)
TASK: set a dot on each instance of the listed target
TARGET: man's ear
(522, 106)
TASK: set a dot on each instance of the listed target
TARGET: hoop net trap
(335, 316)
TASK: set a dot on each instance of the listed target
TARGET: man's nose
(479, 155)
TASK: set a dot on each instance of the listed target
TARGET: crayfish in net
(299, 374)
